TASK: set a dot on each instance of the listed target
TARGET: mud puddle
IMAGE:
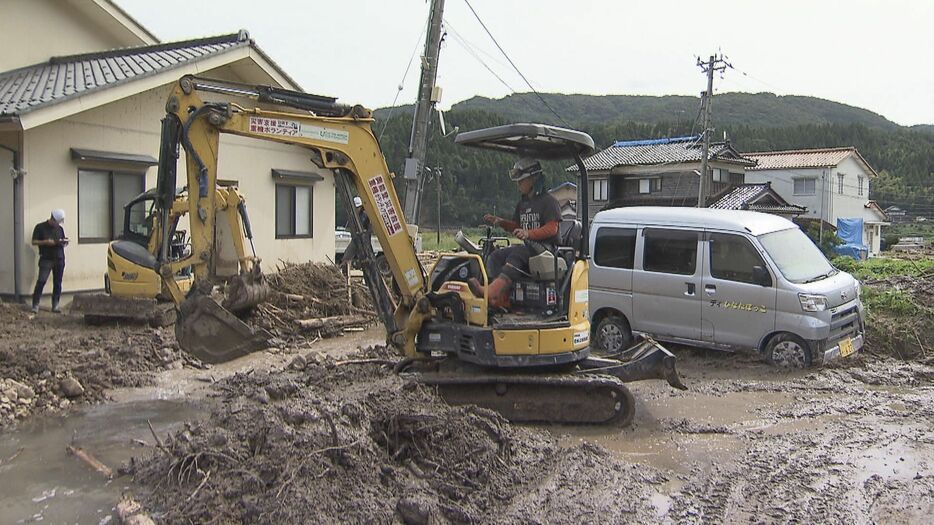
(41, 482)
(193, 383)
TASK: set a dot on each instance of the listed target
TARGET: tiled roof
(660, 151)
(804, 158)
(62, 78)
(756, 197)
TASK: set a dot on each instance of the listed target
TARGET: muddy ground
(48, 362)
(345, 441)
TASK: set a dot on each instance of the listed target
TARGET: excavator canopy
(539, 141)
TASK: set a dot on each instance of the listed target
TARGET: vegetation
(474, 182)
(899, 304)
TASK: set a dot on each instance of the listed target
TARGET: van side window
(615, 247)
(670, 251)
(732, 258)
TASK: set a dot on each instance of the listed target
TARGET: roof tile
(660, 151)
(29, 88)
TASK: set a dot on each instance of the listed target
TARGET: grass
(884, 267)
(430, 241)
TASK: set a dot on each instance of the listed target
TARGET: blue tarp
(850, 231)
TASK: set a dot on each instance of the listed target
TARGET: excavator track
(582, 398)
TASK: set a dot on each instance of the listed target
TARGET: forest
(474, 182)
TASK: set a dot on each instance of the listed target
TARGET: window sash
(294, 211)
(805, 186)
(600, 189)
(101, 197)
(840, 183)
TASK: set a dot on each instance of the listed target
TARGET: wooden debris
(91, 461)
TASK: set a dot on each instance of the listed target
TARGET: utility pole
(428, 96)
(714, 64)
(438, 171)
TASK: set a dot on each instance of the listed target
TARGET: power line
(513, 64)
(392, 108)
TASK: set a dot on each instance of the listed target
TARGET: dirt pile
(311, 291)
(59, 360)
(901, 311)
(347, 441)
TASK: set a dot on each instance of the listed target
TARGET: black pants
(511, 261)
(57, 269)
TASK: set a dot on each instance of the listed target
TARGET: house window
(806, 186)
(293, 211)
(101, 197)
(840, 183)
(650, 185)
(600, 189)
(737, 178)
(860, 186)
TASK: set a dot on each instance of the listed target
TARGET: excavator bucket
(647, 359)
(211, 333)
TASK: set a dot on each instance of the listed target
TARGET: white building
(832, 183)
(80, 112)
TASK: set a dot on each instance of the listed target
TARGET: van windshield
(796, 256)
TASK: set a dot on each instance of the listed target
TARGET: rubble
(349, 441)
(47, 360)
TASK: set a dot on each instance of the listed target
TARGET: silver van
(731, 280)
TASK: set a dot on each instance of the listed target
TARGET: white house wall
(132, 125)
(38, 29)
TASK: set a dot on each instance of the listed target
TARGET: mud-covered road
(747, 443)
(852, 443)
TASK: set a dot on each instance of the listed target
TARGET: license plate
(846, 347)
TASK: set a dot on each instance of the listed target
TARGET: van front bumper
(834, 352)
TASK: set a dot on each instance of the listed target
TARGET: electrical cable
(392, 108)
(526, 80)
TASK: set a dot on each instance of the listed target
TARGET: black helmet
(524, 168)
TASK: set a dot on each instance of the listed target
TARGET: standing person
(49, 236)
(536, 218)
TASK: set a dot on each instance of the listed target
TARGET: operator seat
(134, 253)
(551, 265)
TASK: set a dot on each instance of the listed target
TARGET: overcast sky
(866, 53)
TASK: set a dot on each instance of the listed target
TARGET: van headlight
(812, 303)
(859, 289)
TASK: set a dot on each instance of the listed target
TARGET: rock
(23, 390)
(70, 387)
(10, 394)
(298, 363)
(261, 396)
(413, 511)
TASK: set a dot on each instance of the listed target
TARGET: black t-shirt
(45, 231)
(535, 212)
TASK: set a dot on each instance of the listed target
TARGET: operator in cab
(536, 218)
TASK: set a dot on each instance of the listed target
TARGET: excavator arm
(340, 139)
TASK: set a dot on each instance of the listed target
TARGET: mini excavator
(530, 364)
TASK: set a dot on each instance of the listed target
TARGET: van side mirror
(761, 276)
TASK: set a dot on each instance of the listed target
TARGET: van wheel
(789, 351)
(612, 335)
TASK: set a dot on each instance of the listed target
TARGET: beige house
(79, 130)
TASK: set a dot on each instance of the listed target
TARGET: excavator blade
(102, 307)
(647, 359)
(211, 333)
(539, 398)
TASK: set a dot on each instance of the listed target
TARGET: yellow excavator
(531, 364)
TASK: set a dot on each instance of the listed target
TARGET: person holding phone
(49, 236)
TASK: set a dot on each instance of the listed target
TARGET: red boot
(498, 292)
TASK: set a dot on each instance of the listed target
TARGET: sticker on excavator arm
(581, 296)
(387, 213)
(411, 277)
(292, 128)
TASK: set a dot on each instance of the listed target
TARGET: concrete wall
(132, 125)
(34, 30)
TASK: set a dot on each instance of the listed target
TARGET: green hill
(903, 156)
